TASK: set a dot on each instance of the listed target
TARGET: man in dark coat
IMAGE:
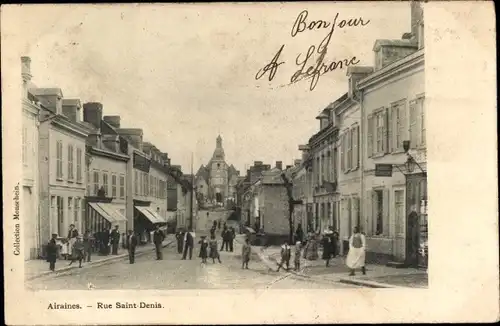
(225, 235)
(52, 252)
(299, 233)
(105, 242)
(115, 240)
(232, 235)
(158, 237)
(188, 245)
(131, 244)
(180, 239)
(87, 242)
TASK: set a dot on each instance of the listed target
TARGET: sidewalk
(378, 276)
(37, 268)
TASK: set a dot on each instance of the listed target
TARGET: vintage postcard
(237, 163)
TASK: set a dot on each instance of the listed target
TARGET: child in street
(245, 254)
(203, 249)
(78, 251)
(298, 248)
(285, 256)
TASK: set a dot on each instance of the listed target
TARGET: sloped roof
(203, 173)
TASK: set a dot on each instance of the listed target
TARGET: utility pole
(191, 195)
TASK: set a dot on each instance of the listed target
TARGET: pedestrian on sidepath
(88, 240)
(131, 244)
(180, 239)
(225, 240)
(115, 240)
(299, 233)
(286, 252)
(246, 251)
(52, 249)
(298, 248)
(356, 255)
(78, 251)
(327, 249)
(105, 242)
(158, 237)
(232, 235)
(203, 249)
(188, 244)
(214, 252)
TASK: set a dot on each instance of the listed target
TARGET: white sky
(185, 72)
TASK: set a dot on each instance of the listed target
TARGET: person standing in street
(115, 240)
(158, 237)
(285, 256)
(246, 251)
(203, 249)
(224, 235)
(232, 235)
(327, 249)
(214, 252)
(105, 242)
(52, 249)
(356, 255)
(87, 242)
(298, 248)
(188, 244)
(131, 244)
(180, 239)
(299, 233)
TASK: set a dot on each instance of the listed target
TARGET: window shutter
(393, 123)
(413, 127)
(368, 212)
(403, 124)
(356, 162)
(386, 134)
(386, 212)
(369, 138)
(342, 152)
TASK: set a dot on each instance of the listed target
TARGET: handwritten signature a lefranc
(308, 69)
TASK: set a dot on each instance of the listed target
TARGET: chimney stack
(257, 163)
(50, 98)
(26, 69)
(279, 165)
(71, 109)
(92, 113)
(113, 120)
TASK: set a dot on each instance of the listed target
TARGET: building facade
(61, 162)
(393, 101)
(30, 112)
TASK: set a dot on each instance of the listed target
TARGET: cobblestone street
(174, 273)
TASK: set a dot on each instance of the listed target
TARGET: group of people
(355, 258)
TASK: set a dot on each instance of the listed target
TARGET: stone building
(393, 112)
(216, 182)
(30, 185)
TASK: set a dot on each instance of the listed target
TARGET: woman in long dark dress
(203, 249)
(327, 249)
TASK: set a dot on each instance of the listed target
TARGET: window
(105, 183)
(318, 167)
(398, 114)
(70, 162)
(122, 187)
(421, 110)
(378, 201)
(60, 215)
(77, 209)
(380, 132)
(399, 206)
(70, 207)
(342, 153)
(356, 213)
(146, 184)
(25, 145)
(369, 136)
(79, 174)
(413, 124)
(113, 185)
(59, 158)
(349, 149)
(136, 183)
(355, 147)
(96, 182)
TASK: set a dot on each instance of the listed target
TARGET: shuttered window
(59, 159)
(79, 158)
(369, 136)
(421, 110)
(122, 187)
(342, 153)
(70, 162)
(413, 125)
(387, 131)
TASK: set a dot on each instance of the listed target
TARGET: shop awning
(150, 215)
(109, 212)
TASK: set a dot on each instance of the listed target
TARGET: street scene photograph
(173, 153)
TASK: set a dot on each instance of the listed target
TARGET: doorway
(218, 197)
(416, 220)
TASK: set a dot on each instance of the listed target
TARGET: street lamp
(410, 161)
(410, 164)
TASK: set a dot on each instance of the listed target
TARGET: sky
(185, 73)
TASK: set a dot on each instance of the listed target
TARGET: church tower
(218, 173)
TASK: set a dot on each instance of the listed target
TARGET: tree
(291, 205)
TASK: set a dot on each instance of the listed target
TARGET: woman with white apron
(356, 255)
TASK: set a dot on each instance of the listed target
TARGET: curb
(367, 283)
(92, 264)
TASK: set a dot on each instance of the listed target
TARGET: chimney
(50, 98)
(134, 135)
(389, 51)
(113, 120)
(257, 163)
(26, 69)
(111, 142)
(92, 113)
(279, 165)
(355, 74)
(71, 109)
(417, 16)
